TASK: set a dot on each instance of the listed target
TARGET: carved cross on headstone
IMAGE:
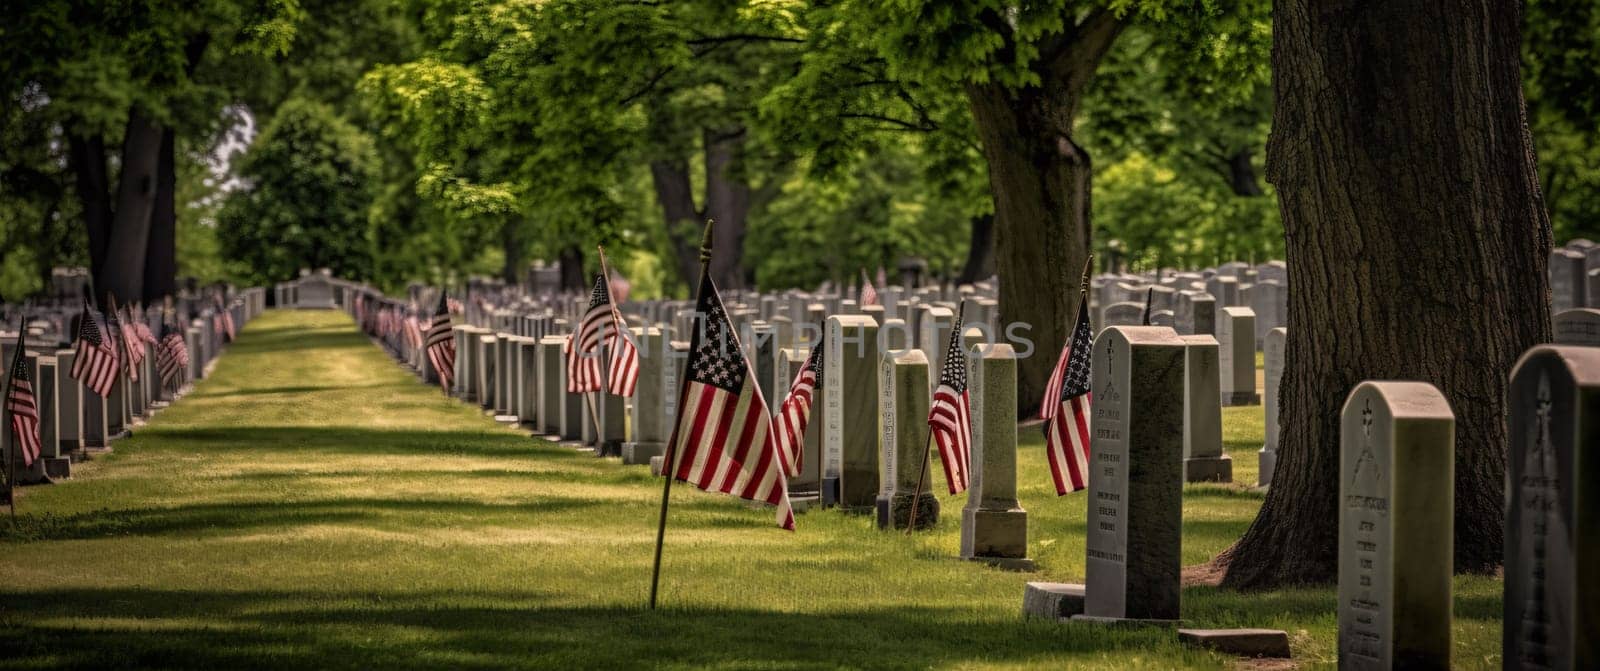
(1367, 458)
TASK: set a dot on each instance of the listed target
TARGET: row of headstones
(1196, 302)
(1575, 276)
(869, 421)
(1396, 516)
(75, 423)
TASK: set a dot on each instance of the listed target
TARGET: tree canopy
(472, 137)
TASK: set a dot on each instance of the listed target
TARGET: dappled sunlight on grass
(311, 504)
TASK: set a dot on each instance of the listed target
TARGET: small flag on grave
(622, 375)
(583, 351)
(441, 345)
(795, 411)
(869, 295)
(96, 362)
(21, 405)
(172, 354)
(950, 416)
(723, 439)
(1065, 409)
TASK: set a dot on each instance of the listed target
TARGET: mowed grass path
(312, 505)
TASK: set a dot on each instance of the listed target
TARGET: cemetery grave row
(76, 423)
(1158, 392)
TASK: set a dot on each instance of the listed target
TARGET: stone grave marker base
(895, 512)
(996, 537)
(1208, 469)
(1241, 642)
(638, 454)
(1052, 600)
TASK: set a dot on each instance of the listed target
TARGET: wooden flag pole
(927, 446)
(669, 461)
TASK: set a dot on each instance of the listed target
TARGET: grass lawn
(312, 505)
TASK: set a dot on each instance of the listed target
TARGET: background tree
(1416, 277)
(306, 197)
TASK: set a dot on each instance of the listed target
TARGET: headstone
(1396, 521)
(550, 384)
(850, 392)
(1578, 326)
(527, 391)
(1552, 597)
(1275, 341)
(903, 426)
(485, 353)
(1136, 487)
(648, 422)
(933, 336)
(70, 403)
(1196, 313)
(1122, 314)
(1567, 280)
(1203, 460)
(1237, 357)
(994, 527)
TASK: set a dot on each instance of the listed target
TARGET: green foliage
(1154, 216)
(1561, 78)
(830, 229)
(308, 189)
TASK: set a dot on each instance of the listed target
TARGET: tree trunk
(683, 221)
(1040, 182)
(727, 202)
(573, 277)
(1242, 174)
(513, 245)
(161, 253)
(1039, 179)
(87, 158)
(980, 251)
(122, 274)
(1417, 243)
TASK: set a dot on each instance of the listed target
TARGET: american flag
(222, 320)
(869, 295)
(1065, 409)
(950, 417)
(723, 440)
(583, 350)
(96, 362)
(22, 407)
(172, 353)
(133, 346)
(623, 372)
(413, 329)
(441, 345)
(795, 411)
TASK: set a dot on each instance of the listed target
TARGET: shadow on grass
(226, 518)
(268, 391)
(262, 343)
(290, 629)
(330, 440)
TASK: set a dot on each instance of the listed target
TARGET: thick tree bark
(573, 277)
(122, 274)
(1417, 242)
(1039, 179)
(161, 253)
(980, 251)
(86, 155)
(727, 202)
(683, 221)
